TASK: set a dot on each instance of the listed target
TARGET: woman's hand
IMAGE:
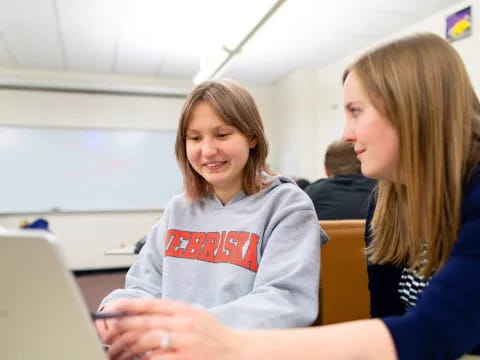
(103, 325)
(169, 330)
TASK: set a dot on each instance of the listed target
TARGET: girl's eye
(223, 135)
(193, 138)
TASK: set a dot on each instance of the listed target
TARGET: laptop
(42, 312)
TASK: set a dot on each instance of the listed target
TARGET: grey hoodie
(253, 262)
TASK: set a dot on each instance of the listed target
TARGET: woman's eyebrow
(352, 103)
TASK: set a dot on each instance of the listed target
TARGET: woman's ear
(252, 142)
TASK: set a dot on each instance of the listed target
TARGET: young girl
(414, 120)
(240, 243)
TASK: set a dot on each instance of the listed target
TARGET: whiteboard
(75, 169)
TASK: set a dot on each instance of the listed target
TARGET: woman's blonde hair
(235, 105)
(421, 85)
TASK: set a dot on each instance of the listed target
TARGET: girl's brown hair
(421, 85)
(235, 105)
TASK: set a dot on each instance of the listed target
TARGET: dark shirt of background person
(345, 193)
(302, 183)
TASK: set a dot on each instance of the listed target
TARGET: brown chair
(343, 293)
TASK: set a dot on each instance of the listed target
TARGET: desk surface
(127, 250)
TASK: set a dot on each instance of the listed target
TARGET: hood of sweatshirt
(270, 182)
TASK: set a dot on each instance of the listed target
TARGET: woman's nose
(348, 133)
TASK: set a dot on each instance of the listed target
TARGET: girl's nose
(209, 148)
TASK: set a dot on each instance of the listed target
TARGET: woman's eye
(355, 112)
(193, 138)
(222, 135)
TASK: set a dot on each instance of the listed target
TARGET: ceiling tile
(29, 28)
(6, 58)
(89, 29)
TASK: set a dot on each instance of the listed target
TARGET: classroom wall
(295, 100)
(86, 237)
(326, 114)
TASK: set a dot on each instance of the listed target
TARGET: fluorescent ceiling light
(216, 65)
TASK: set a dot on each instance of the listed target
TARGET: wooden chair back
(343, 293)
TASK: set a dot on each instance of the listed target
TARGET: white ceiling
(166, 38)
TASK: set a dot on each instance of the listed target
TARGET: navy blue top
(445, 323)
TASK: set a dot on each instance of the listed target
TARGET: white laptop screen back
(42, 312)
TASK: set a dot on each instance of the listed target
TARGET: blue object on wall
(38, 224)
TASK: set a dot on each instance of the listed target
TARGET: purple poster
(459, 24)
